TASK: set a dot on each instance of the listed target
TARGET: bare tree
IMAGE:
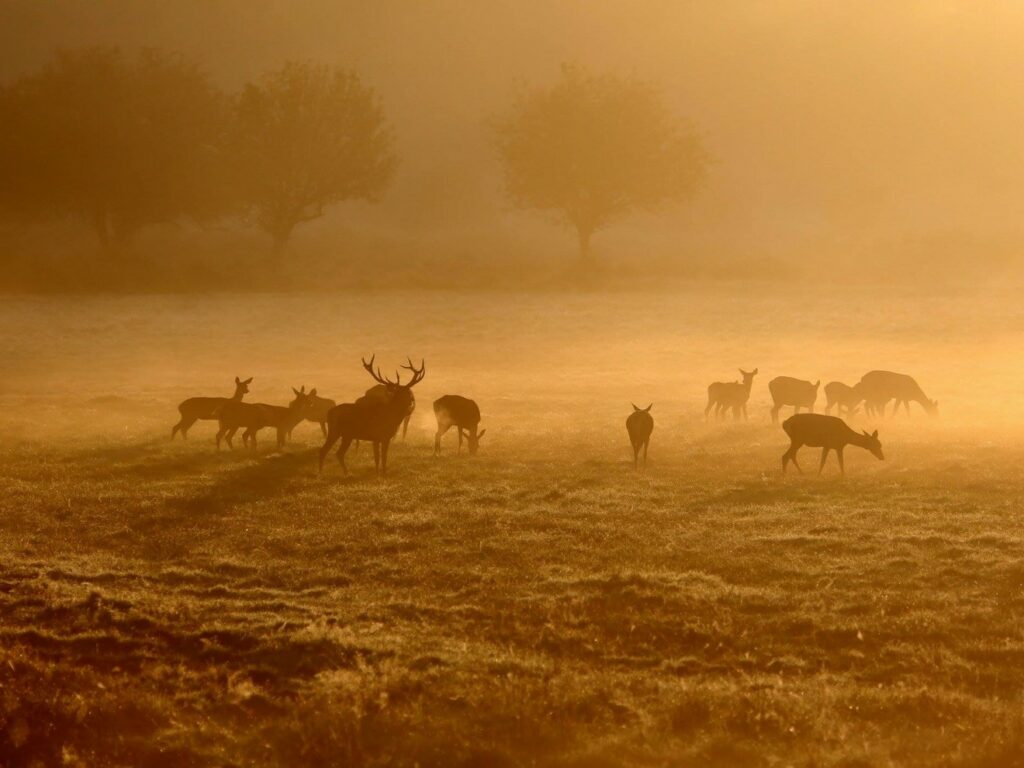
(595, 148)
(308, 136)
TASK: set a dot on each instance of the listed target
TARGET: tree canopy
(308, 136)
(124, 141)
(595, 148)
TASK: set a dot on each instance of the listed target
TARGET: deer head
(242, 387)
(474, 440)
(302, 401)
(872, 443)
(748, 376)
(931, 407)
(642, 410)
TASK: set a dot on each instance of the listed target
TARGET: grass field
(162, 604)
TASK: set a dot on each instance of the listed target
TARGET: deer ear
(634, 406)
(312, 392)
(295, 390)
(648, 408)
(754, 372)
(480, 434)
(248, 381)
(875, 434)
(237, 380)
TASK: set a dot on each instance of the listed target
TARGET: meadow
(541, 603)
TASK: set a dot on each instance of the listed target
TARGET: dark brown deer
(206, 408)
(317, 409)
(639, 425)
(829, 433)
(786, 390)
(461, 413)
(842, 397)
(879, 387)
(372, 419)
(380, 392)
(723, 395)
(252, 417)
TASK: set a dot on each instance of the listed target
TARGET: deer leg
(346, 441)
(442, 429)
(775, 413)
(906, 405)
(376, 457)
(824, 458)
(839, 455)
(711, 404)
(460, 440)
(323, 428)
(636, 454)
(790, 455)
(230, 436)
(745, 417)
(220, 434)
(405, 425)
(646, 443)
(325, 449)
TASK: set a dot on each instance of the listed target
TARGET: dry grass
(542, 603)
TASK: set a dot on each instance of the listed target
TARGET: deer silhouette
(879, 387)
(842, 397)
(370, 418)
(786, 390)
(206, 408)
(725, 395)
(317, 409)
(639, 425)
(463, 414)
(829, 433)
(255, 416)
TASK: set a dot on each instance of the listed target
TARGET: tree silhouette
(308, 136)
(594, 148)
(122, 141)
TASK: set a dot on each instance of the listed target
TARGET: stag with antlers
(372, 419)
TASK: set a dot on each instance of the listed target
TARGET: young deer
(255, 416)
(462, 413)
(639, 425)
(828, 433)
(842, 396)
(206, 408)
(879, 387)
(723, 395)
(372, 419)
(317, 409)
(786, 390)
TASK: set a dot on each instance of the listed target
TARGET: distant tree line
(125, 141)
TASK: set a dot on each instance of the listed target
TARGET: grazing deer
(829, 433)
(639, 425)
(879, 387)
(205, 408)
(255, 416)
(786, 390)
(316, 409)
(842, 396)
(461, 413)
(372, 419)
(723, 395)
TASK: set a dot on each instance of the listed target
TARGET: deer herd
(388, 405)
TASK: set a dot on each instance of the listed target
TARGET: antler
(417, 373)
(376, 373)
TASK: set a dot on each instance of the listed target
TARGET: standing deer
(639, 425)
(786, 390)
(316, 409)
(255, 416)
(842, 396)
(461, 413)
(723, 395)
(371, 419)
(879, 387)
(380, 392)
(828, 433)
(205, 408)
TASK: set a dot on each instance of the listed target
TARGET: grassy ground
(541, 603)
